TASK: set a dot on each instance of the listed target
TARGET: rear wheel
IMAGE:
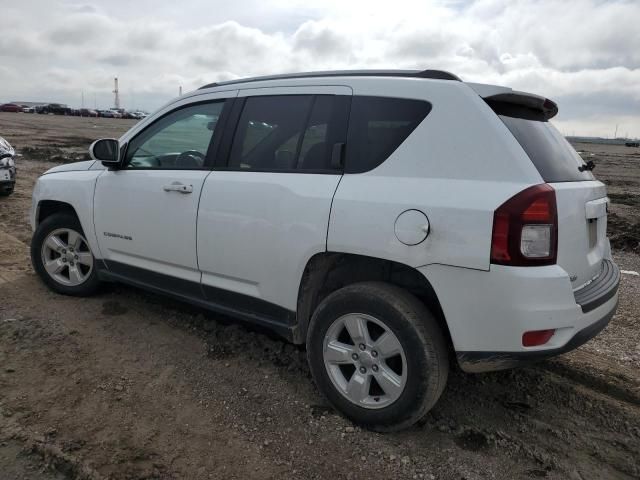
(62, 257)
(378, 355)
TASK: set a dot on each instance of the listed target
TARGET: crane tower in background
(116, 93)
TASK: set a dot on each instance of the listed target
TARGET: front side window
(289, 132)
(179, 140)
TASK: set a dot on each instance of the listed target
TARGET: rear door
(265, 212)
(582, 201)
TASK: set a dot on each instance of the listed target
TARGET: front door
(145, 213)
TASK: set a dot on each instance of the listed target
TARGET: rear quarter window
(553, 156)
(377, 127)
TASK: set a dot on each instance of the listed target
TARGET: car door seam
(204, 181)
(326, 238)
(93, 212)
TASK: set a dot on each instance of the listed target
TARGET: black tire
(5, 192)
(51, 223)
(419, 335)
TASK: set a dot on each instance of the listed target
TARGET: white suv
(387, 219)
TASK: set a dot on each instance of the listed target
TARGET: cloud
(121, 60)
(320, 40)
(233, 47)
(584, 54)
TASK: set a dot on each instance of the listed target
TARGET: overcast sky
(584, 54)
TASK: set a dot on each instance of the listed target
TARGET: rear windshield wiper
(587, 166)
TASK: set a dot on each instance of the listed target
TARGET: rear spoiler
(505, 101)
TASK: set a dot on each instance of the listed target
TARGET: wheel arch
(46, 208)
(327, 272)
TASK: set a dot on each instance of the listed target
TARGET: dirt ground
(129, 385)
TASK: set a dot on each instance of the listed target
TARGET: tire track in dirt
(533, 418)
(14, 258)
(617, 383)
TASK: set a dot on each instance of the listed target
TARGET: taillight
(525, 228)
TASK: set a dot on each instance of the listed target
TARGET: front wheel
(378, 355)
(62, 257)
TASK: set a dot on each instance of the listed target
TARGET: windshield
(550, 152)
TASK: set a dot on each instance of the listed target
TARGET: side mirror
(107, 151)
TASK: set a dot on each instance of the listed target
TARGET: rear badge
(573, 278)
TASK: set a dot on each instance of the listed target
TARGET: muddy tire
(61, 256)
(378, 355)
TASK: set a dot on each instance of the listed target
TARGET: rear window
(550, 152)
(377, 127)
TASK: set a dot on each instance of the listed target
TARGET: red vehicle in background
(10, 107)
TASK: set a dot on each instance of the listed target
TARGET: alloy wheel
(365, 360)
(66, 257)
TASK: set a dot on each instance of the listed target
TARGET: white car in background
(390, 220)
(7, 168)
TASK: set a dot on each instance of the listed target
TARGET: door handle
(178, 187)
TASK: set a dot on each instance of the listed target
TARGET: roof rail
(434, 74)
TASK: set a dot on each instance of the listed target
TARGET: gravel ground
(130, 385)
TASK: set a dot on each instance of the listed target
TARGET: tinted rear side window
(268, 131)
(553, 156)
(289, 132)
(377, 127)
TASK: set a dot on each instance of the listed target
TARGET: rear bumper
(601, 289)
(487, 312)
(491, 361)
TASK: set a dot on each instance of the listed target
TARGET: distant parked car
(133, 115)
(54, 108)
(111, 113)
(10, 107)
(86, 112)
(28, 109)
(58, 109)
